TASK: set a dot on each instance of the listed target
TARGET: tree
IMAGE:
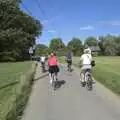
(56, 44)
(18, 31)
(101, 46)
(117, 41)
(75, 45)
(110, 45)
(91, 41)
(41, 49)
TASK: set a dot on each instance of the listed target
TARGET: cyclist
(86, 59)
(69, 59)
(43, 58)
(53, 65)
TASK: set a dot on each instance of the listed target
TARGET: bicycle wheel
(88, 81)
(52, 80)
(69, 67)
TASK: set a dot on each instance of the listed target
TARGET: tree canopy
(91, 41)
(56, 44)
(41, 49)
(75, 45)
(18, 31)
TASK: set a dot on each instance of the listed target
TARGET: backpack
(93, 63)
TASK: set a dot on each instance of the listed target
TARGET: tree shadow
(9, 85)
(45, 71)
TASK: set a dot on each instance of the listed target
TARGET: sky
(74, 18)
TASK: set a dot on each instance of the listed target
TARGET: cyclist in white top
(86, 60)
(43, 58)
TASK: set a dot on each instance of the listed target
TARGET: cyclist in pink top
(53, 65)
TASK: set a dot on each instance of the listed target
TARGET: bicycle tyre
(88, 81)
(54, 81)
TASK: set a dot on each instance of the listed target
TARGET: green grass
(106, 71)
(62, 59)
(12, 79)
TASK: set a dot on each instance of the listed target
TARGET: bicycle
(88, 79)
(54, 80)
(69, 67)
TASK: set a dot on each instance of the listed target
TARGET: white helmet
(87, 51)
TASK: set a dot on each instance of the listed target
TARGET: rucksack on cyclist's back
(93, 63)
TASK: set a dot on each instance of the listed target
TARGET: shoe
(51, 81)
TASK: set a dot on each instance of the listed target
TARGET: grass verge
(16, 82)
(107, 72)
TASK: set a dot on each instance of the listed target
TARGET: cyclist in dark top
(69, 58)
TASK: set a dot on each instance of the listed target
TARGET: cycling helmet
(86, 51)
(51, 54)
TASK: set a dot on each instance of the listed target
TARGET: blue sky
(75, 18)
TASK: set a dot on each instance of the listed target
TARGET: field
(11, 75)
(106, 71)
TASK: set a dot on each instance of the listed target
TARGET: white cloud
(89, 27)
(111, 22)
(51, 31)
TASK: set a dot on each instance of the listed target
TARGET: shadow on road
(60, 83)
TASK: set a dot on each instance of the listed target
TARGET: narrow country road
(70, 101)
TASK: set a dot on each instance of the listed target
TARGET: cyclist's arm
(48, 62)
(81, 59)
(57, 62)
(91, 58)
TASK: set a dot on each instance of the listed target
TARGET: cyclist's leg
(67, 64)
(56, 72)
(89, 67)
(50, 74)
(82, 75)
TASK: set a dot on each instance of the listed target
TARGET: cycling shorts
(53, 69)
(69, 62)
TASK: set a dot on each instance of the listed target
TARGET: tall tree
(41, 49)
(56, 44)
(75, 45)
(17, 31)
(110, 45)
(117, 41)
(91, 41)
(101, 46)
